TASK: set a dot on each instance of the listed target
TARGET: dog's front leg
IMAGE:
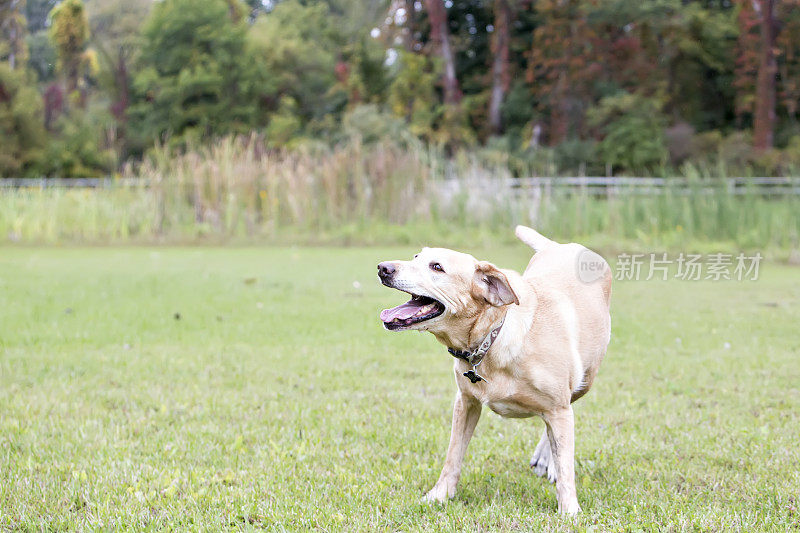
(561, 431)
(466, 412)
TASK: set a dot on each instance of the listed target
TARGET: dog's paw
(542, 462)
(440, 493)
(569, 508)
(545, 470)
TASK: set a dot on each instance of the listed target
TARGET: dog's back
(581, 279)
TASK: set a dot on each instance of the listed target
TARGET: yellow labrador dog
(523, 345)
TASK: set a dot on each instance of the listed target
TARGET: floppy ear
(492, 285)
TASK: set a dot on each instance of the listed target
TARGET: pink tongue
(407, 310)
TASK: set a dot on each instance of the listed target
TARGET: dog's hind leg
(542, 461)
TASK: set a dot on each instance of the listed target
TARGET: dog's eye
(436, 267)
(416, 255)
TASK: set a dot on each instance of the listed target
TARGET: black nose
(386, 271)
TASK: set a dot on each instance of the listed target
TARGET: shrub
(632, 129)
(75, 150)
(372, 125)
(21, 123)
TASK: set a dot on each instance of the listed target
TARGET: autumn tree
(562, 65)
(768, 65)
(766, 79)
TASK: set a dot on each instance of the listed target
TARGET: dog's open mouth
(417, 309)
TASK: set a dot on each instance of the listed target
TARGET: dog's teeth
(425, 310)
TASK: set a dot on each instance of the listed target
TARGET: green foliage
(37, 13)
(412, 93)
(701, 56)
(21, 124)
(116, 26)
(284, 124)
(294, 50)
(13, 30)
(42, 56)
(577, 157)
(518, 110)
(69, 34)
(194, 80)
(75, 150)
(371, 125)
(296, 71)
(366, 59)
(632, 129)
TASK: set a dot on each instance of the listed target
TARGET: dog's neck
(472, 332)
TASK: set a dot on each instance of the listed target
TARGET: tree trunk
(120, 107)
(764, 120)
(440, 36)
(411, 26)
(12, 56)
(15, 36)
(500, 66)
(559, 112)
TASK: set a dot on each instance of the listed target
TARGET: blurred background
(347, 120)
(149, 384)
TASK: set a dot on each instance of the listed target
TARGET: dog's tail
(533, 238)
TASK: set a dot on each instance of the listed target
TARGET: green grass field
(226, 388)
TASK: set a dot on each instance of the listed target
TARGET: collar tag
(473, 376)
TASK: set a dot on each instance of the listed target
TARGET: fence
(592, 185)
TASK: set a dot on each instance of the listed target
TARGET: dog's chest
(508, 408)
(504, 400)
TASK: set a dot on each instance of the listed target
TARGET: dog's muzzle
(386, 272)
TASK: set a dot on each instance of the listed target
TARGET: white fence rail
(618, 186)
(535, 186)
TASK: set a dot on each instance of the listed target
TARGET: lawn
(209, 388)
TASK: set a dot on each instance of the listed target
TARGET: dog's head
(446, 288)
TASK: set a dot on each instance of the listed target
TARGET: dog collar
(476, 356)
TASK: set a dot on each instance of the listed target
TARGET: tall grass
(238, 190)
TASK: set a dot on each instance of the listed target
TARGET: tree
(768, 65)
(788, 42)
(298, 53)
(41, 56)
(697, 48)
(437, 13)
(115, 27)
(37, 12)
(563, 65)
(193, 79)
(21, 124)
(766, 81)
(501, 75)
(70, 35)
(412, 94)
(13, 29)
(632, 130)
